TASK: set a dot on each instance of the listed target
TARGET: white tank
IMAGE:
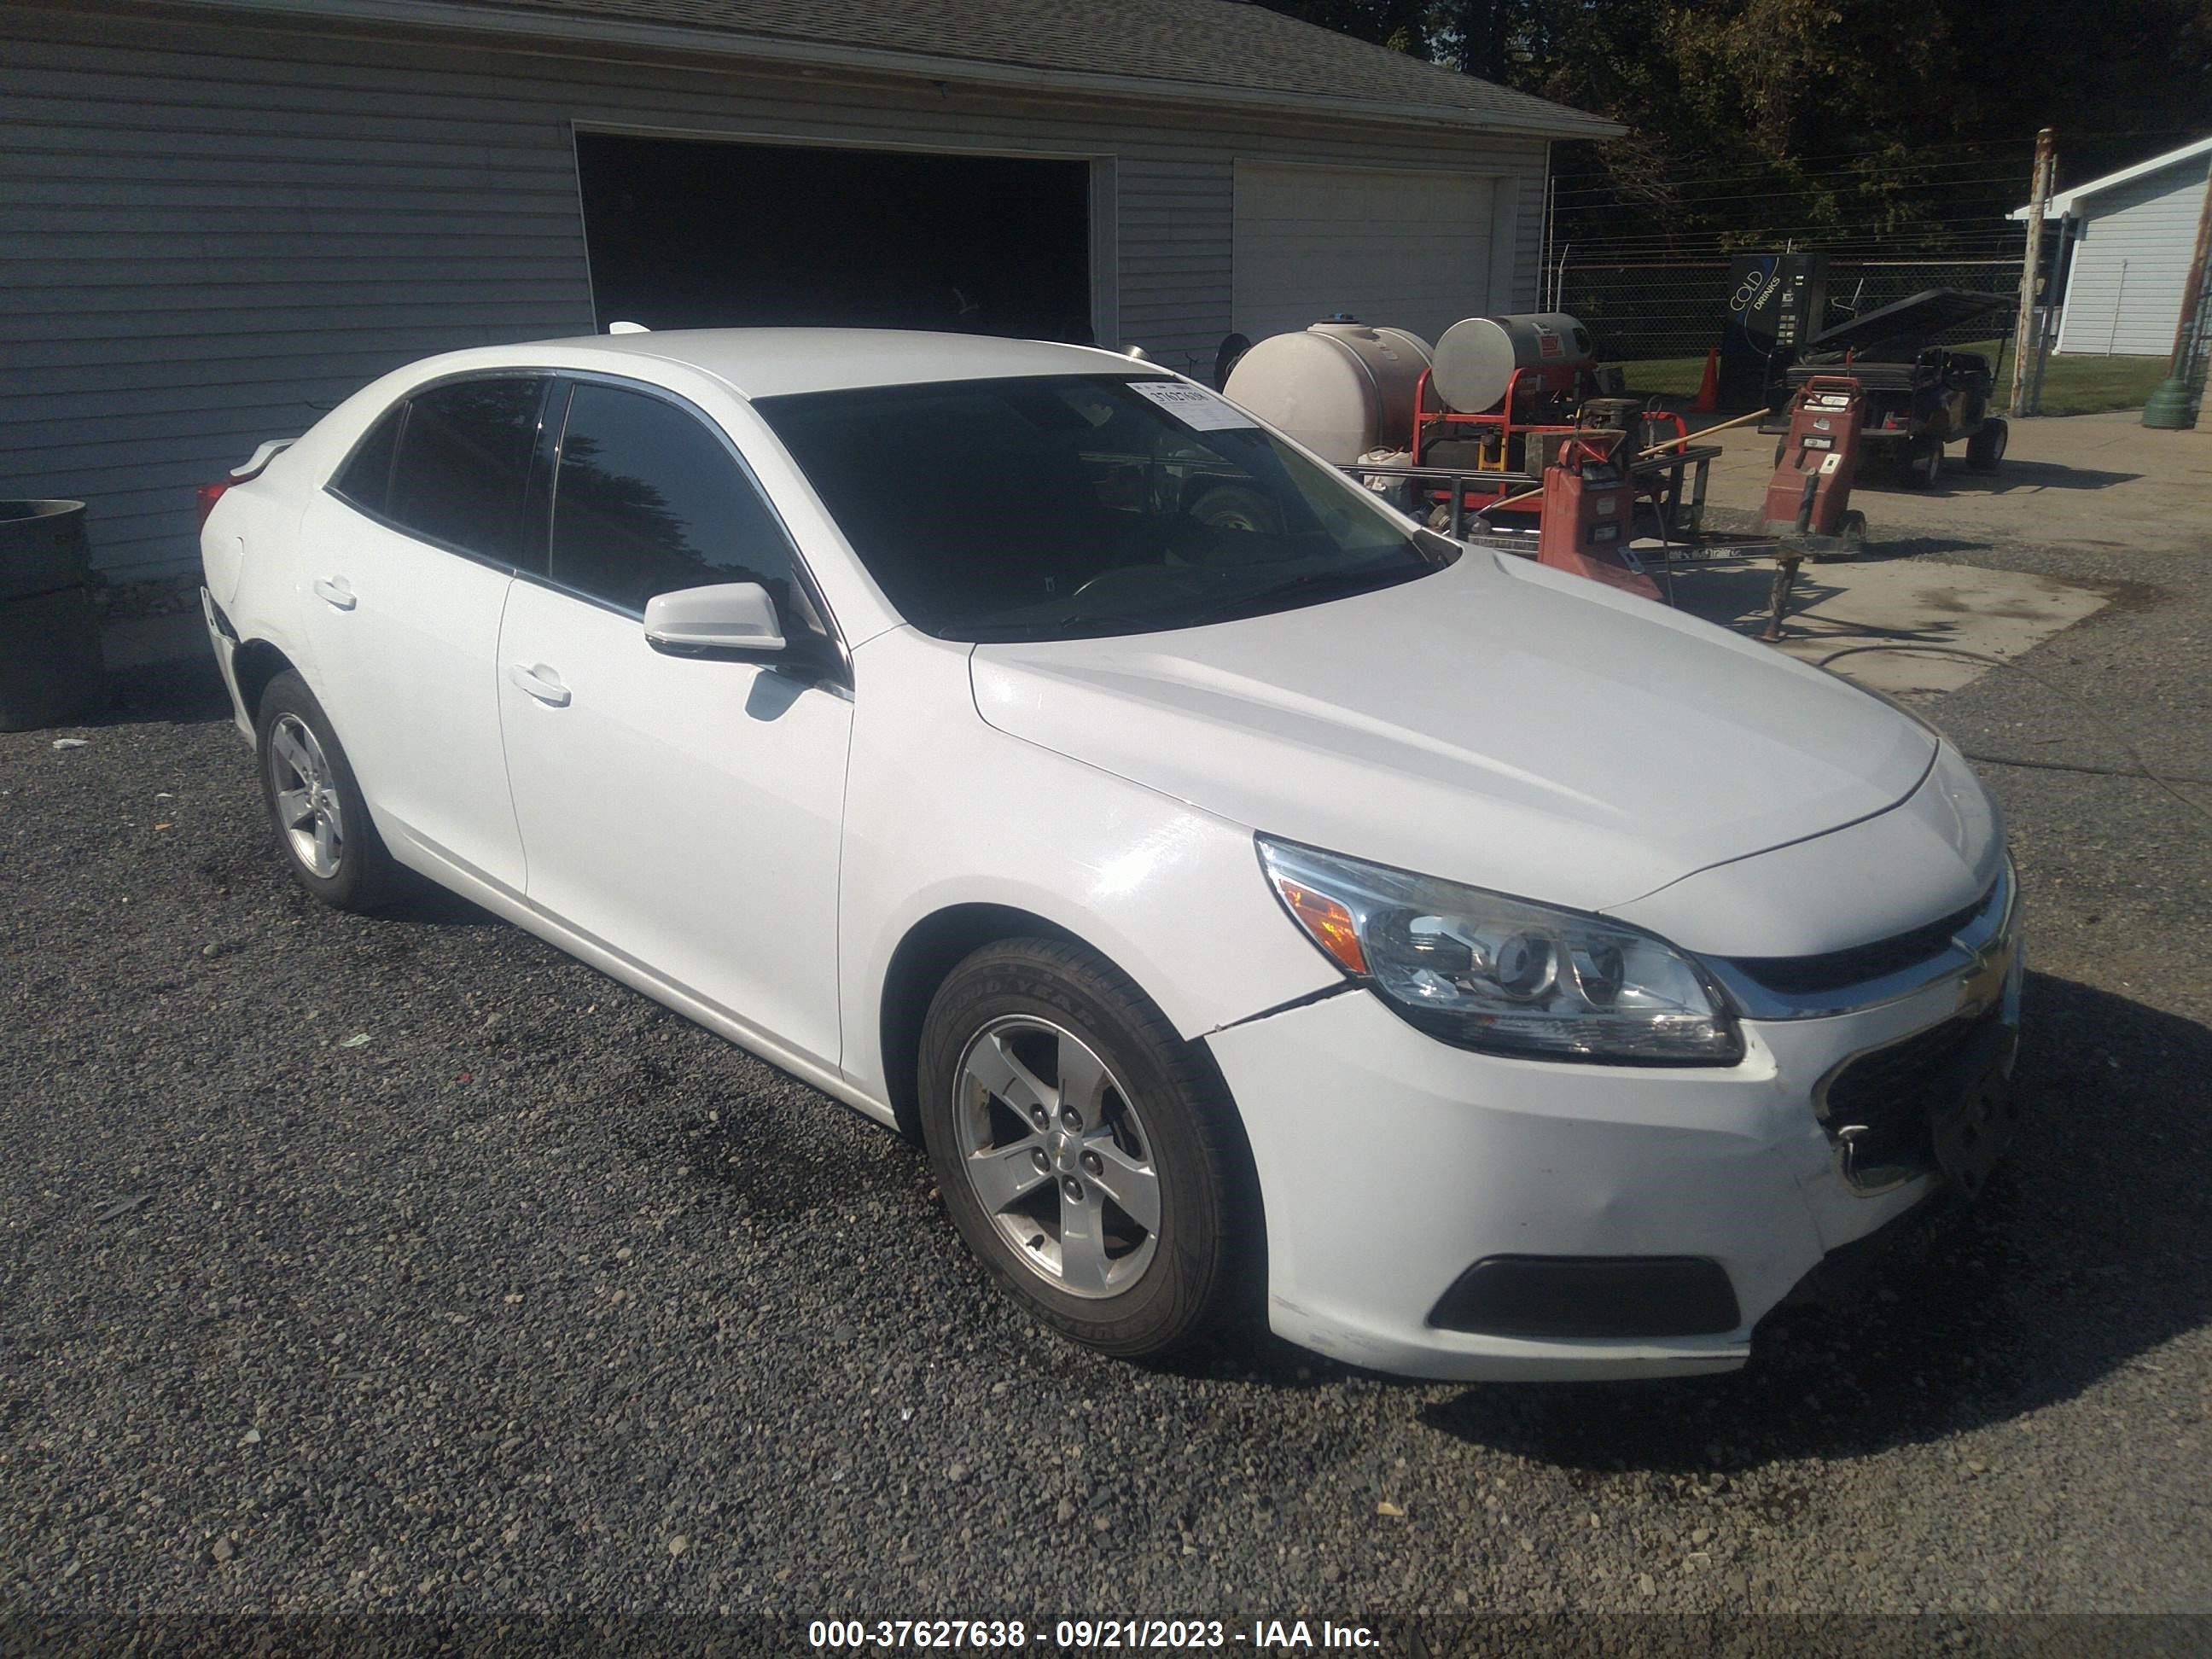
(1477, 355)
(1340, 388)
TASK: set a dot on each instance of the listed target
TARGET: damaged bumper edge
(1393, 1167)
(223, 638)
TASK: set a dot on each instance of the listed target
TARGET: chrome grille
(1866, 975)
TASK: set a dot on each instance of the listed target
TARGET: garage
(694, 233)
(1409, 248)
(229, 215)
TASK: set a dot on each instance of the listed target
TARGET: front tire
(1086, 1152)
(315, 805)
(1985, 449)
(1923, 464)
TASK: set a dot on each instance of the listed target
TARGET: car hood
(1496, 723)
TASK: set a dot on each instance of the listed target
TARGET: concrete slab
(2092, 480)
(2073, 481)
(1837, 604)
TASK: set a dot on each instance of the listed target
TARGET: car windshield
(1054, 507)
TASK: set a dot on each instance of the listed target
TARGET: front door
(685, 813)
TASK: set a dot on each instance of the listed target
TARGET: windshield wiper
(1336, 584)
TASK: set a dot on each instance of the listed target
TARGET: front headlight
(1502, 974)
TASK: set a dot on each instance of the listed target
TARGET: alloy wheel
(1057, 1155)
(306, 793)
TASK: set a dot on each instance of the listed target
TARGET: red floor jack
(1809, 511)
(1589, 508)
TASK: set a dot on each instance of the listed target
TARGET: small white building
(2130, 238)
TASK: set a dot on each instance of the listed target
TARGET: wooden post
(2025, 333)
(2046, 336)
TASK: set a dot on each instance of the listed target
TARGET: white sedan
(1250, 899)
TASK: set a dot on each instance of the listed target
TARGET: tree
(1820, 120)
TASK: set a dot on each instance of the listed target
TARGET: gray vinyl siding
(217, 229)
(2131, 252)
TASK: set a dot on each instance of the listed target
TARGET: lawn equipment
(1468, 427)
(1587, 505)
(1916, 395)
(1504, 393)
(1808, 508)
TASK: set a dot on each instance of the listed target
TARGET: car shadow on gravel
(2090, 1250)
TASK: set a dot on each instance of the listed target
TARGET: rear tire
(1985, 449)
(1086, 1152)
(315, 807)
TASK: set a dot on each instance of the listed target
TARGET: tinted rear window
(463, 463)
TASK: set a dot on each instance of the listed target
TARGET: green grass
(2071, 386)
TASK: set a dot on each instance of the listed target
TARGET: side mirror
(730, 619)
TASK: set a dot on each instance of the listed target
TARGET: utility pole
(2025, 334)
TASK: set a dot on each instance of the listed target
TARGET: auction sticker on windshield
(1194, 405)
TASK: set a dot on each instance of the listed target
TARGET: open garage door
(698, 233)
(1409, 249)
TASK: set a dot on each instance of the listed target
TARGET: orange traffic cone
(1708, 389)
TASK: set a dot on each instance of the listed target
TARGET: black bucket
(51, 671)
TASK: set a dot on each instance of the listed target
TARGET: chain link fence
(1640, 311)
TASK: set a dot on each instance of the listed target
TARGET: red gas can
(1589, 510)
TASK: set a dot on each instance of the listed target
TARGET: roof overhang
(2061, 206)
(820, 56)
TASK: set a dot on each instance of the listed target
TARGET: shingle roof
(1191, 50)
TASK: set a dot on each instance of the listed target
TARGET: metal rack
(1679, 495)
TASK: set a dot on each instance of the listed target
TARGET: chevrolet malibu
(1250, 899)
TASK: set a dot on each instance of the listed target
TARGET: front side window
(463, 464)
(1054, 507)
(648, 501)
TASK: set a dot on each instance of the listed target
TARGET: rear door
(683, 813)
(410, 554)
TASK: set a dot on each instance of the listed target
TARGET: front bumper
(1389, 1164)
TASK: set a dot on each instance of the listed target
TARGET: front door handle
(335, 592)
(541, 682)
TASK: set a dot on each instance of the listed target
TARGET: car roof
(773, 362)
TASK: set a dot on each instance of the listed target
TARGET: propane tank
(1476, 356)
(1340, 388)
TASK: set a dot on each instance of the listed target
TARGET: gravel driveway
(404, 1264)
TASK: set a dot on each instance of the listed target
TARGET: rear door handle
(335, 592)
(541, 682)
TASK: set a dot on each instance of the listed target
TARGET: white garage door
(1404, 248)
